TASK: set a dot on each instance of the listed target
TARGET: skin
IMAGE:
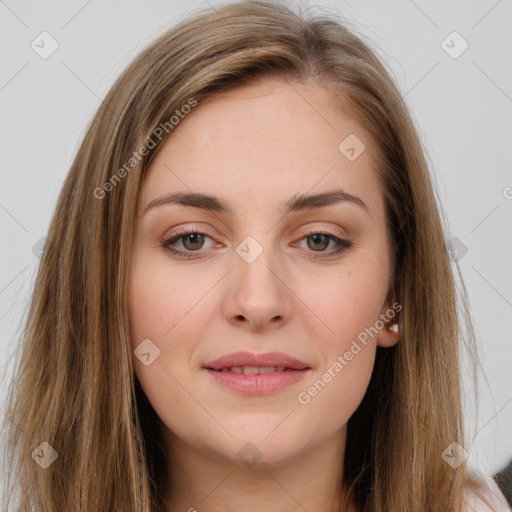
(256, 147)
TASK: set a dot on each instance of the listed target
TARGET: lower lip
(257, 384)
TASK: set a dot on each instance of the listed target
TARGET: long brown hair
(75, 386)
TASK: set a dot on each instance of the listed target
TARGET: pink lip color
(249, 359)
(257, 384)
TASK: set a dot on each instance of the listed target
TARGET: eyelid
(327, 229)
(185, 230)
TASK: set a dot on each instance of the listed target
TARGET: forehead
(268, 140)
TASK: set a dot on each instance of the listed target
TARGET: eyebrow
(295, 204)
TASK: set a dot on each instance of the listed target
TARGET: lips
(252, 364)
(249, 374)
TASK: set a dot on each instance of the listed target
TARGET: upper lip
(248, 359)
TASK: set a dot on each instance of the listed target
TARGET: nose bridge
(258, 292)
(256, 264)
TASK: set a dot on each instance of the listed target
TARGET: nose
(258, 297)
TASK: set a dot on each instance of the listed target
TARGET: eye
(317, 240)
(193, 241)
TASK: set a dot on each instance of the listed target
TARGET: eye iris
(194, 237)
(316, 238)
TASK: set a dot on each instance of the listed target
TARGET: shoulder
(497, 502)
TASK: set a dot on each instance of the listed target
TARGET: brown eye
(319, 241)
(195, 240)
(191, 240)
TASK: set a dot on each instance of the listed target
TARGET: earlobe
(389, 335)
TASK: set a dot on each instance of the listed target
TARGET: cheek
(162, 300)
(338, 386)
(336, 389)
(173, 312)
(332, 397)
(349, 305)
(160, 305)
(349, 300)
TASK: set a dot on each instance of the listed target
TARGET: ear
(391, 331)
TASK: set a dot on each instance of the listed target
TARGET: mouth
(254, 370)
(251, 374)
(250, 364)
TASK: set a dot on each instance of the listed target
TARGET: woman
(246, 298)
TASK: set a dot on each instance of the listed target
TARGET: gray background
(462, 106)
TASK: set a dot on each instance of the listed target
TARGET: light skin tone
(255, 148)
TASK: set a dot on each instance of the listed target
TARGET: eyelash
(342, 244)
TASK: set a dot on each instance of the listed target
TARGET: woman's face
(260, 277)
